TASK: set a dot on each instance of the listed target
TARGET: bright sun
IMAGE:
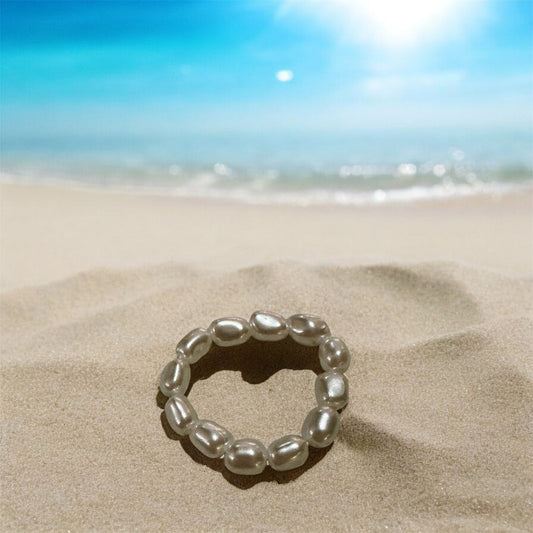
(389, 23)
(405, 22)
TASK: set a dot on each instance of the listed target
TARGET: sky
(102, 68)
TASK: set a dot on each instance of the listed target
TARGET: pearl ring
(250, 456)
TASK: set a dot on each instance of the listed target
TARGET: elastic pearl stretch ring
(250, 456)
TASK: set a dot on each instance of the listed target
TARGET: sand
(433, 300)
(50, 233)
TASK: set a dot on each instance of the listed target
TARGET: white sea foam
(258, 191)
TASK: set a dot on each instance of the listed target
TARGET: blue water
(182, 98)
(303, 169)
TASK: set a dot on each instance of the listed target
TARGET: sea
(346, 168)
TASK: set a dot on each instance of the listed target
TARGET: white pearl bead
(268, 326)
(210, 438)
(288, 452)
(334, 354)
(180, 414)
(331, 389)
(175, 377)
(246, 457)
(194, 345)
(308, 330)
(230, 331)
(321, 426)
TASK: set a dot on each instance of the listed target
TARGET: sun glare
(389, 23)
(406, 22)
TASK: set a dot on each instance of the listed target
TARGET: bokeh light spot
(284, 75)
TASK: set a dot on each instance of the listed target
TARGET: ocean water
(348, 169)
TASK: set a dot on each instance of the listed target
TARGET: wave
(304, 185)
(256, 193)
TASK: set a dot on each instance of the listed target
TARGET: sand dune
(437, 435)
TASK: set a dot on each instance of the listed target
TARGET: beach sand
(434, 301)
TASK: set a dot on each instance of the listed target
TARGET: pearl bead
(334, 354)
(194, 345)
(210, 438)
(321, 426)
(268, 326)
(175, 377)
(331, 389)
(246, 457)
(180, 414)
(308, 330)
(288, 452)
(230, 331)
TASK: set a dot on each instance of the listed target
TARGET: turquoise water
(313, 169)
(186, 99)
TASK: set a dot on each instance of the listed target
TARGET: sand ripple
(437, 435)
